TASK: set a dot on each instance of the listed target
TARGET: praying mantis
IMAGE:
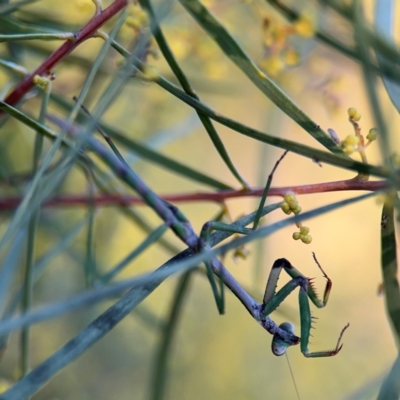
(306, 291)
(283, 335)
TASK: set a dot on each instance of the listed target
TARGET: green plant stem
(328, 39)
(266, 191)
(169, 215)
(294, 147)
(390, 389)
(391, 287)
(90, 258)
(9, 8)
(85, 33)
(370, 78)
(159, 379)
(31, 241)
(146, 152)
(104, 323)
(153, 237)
(37, 36)
(182, 262)
(238, 56)
(110, 318)
(187, 87)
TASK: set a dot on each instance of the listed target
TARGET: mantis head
(279, 346)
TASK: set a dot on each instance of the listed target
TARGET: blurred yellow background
(228, 357)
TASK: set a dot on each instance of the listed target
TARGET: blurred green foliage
(191, 101)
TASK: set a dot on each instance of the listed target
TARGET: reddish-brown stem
(66, 48)
(218, 197)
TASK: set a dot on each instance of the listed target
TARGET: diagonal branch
(66, 48)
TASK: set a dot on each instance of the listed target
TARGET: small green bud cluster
(290, 205)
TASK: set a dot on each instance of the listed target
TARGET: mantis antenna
(291, 373)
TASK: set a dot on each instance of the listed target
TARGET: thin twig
(267, 189)
(104, 200)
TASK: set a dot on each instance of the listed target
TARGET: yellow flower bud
(304, 230)
(307, 239)
(297, 210)
(348, 148)
(354, 114)
(241, 252)
(150, 73)
(291, 57)
(395, 159)
(296, 235)
(372, 134)
(5, 384)
(305, 26)
(84, 6)
(290, 198)
(272, 66)
(352, 140)
(285, 208)
(40, 81)
(137, 18)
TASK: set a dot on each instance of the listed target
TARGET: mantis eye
(279, 346)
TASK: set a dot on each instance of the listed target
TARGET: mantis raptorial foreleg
(283, 335)
(306, 291)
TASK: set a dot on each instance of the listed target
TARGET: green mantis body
(283, 335)
(306, 291)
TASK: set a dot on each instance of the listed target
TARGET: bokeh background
(213, 356)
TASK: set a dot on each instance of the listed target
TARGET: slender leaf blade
(146, 152)
(238, 56)
(187, 87)
(390, 389)
(384, 18)
(389, 268)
